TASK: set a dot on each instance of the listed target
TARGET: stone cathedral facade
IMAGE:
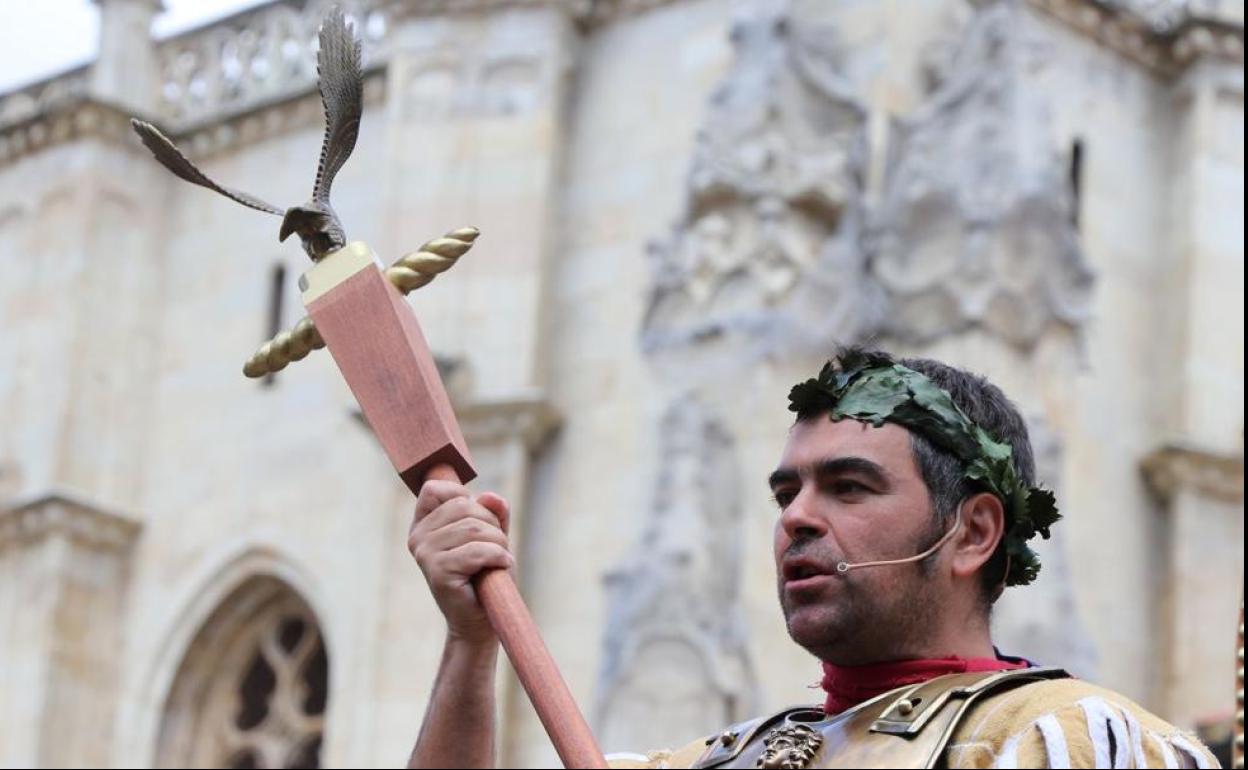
(684, 205)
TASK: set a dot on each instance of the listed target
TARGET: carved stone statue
(675, 645)
(757, 259)
(976, 226)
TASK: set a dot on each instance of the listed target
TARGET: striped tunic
(1053, 724)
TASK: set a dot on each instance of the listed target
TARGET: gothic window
(252, 690)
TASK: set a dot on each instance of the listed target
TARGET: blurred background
(684, 205)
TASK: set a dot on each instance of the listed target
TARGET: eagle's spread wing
(173, 159)
(342, 92)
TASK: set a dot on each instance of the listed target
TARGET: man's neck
(965, 634)
(963, 648)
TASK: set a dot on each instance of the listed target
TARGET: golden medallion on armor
(790, 747)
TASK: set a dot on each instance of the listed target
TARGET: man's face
(848, 491)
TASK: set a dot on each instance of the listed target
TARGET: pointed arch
(156, 660)
(252, 688)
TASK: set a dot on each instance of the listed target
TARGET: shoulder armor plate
(906, 727)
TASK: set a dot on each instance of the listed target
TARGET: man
(905, 498)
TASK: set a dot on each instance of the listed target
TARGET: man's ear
(983, 527)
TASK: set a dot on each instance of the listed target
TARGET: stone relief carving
(765, 249)
(938, 54)
(675, 655)
(1043, 622)
(975, 226)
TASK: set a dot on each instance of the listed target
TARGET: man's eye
(783, 498)
(847, 487)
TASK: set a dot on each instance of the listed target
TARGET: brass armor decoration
(342, 93)
(907, 727)
(341, 83)
(789, 747)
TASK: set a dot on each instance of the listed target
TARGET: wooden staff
(377, 343)
(358, 311)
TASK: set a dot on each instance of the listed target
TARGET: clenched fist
(453, 537)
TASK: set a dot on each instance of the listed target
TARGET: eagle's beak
(288, 224)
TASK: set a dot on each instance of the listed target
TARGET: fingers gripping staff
(356, 309)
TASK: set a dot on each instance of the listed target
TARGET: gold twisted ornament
(412, 271)
(408, 273)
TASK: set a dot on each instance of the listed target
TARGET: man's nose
(802, 517)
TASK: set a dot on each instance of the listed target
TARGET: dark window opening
(254, 693)
(1076, 181)
(276, 294)
(289, 633)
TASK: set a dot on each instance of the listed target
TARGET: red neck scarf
(847, 686)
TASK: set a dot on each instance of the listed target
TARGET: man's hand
(453, 537)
